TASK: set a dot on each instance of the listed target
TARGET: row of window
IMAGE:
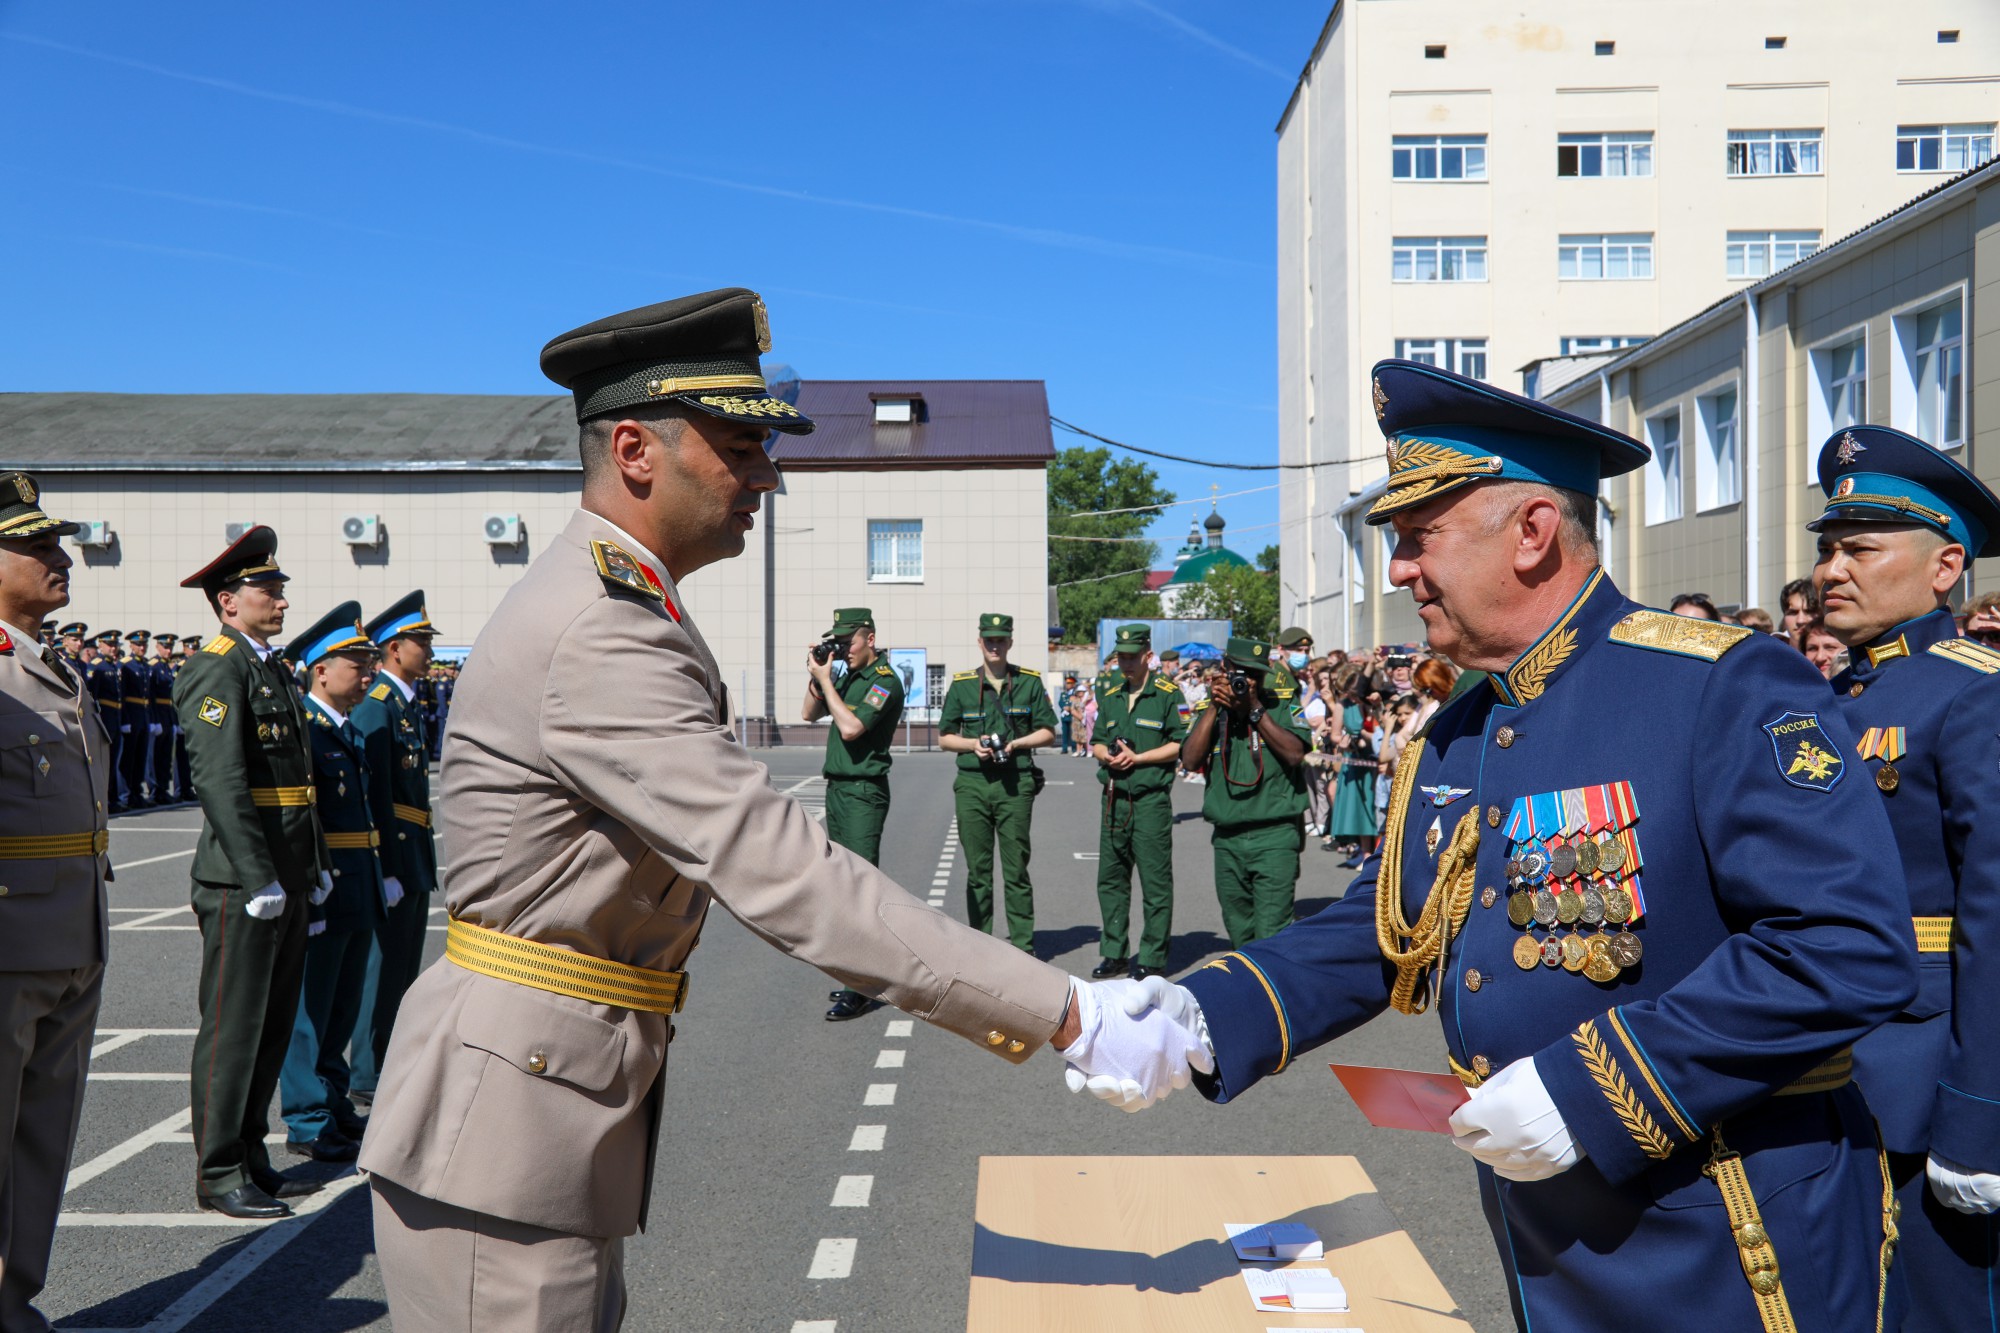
(1598, 257)
(1796, 152)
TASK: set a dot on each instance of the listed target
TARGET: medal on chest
(1573, 861)
(1887, 744)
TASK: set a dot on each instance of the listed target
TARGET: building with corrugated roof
(926, 500)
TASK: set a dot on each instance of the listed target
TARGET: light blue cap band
(1872, 496)
(1523, 456)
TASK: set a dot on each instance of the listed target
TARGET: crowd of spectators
(1803, 627)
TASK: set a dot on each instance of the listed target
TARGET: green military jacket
(971, 709)
(1246, 783)
(399, 784)
(248, 755)
(1152, 719)
(874, 694)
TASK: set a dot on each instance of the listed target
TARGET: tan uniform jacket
(593, 798)
(55, 767)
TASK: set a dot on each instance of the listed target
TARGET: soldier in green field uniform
(1137, 742)
(1252, 743)
(865, 706)
(992, 719)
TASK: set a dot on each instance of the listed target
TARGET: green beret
(701, 351)
(1134, 638)
(1249, 654)
(993, 625)
(848, 619)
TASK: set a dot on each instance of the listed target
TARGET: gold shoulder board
(620, 570)
(883, 669)
(1968, 654)
(1684, 636)
(965, 675)
(219, 645)
(1168, 686)
(1028, 672)
(380, 692)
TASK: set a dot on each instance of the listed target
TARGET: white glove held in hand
(1974, 1192)
(1511, 1124)
(268, 903)
(392, 891)
(1137, 1043)
(325, 889)
(315, 928)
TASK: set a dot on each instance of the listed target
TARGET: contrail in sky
(1207, 38)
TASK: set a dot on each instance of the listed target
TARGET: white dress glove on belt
(1974, 1192)
(268, 903)
(1512, 1124)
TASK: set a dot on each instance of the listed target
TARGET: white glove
(268, 903)
(1974, 1192)
(154, 728)
(315, 928)
(392, 891)
(1137, 1043)
(1511, 1124)
(325, 889)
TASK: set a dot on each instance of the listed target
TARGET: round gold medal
(1626, 951)
(1598, 964)
(1610, 857)
(1617, 905)
(1586, 857)
(1521, 907)
(1887, 778)
(1575, 951)
(1527, 952)
(1569, 906)
(1562, 861)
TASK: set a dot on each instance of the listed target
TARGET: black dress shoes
(1140, 971)
(245, 1201)
(848, 1004)
(281, 1186)
(330, 1146)
(1110, 967)
(350, 1126)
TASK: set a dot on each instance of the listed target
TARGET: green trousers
(1136, 830)
(856, 809)
(998, 807)
(1256, 873)
(251, 972)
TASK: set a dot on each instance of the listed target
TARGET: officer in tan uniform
(55, 772)
(592, 805)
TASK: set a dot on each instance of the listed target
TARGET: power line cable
(1209, 462)
(1161, 508)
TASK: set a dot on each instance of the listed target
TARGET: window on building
(1434, 53)
(1439, 259)
(1605, 154)
(1357, 563)
(1663, 470)
(1607, 48)
(1758, 254)
(1930, 383)
(1614, 257)
(1578, 345)
(1438, 157)
(1388, 531)
(1774, 43)
(1947, 36)
(895, 550)
(934, 684)
(1718, 470)
(1842, 375)
(1943, 147)
(1466, 356)
(1776, 152)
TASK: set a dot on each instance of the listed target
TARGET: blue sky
(234, 196)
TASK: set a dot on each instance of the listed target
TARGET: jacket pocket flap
(539, 1034)
(22, 729)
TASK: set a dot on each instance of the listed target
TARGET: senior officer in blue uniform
(1902, 521)
(1613, 872)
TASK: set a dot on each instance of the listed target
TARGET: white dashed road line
(852, 1192)
(155, 860)
(130, 1148)
(868, 1138)
(880, 1094)
(890, 1059)
(814, 1326)
(115, 1039)
(833, 1259)
(900, 1027)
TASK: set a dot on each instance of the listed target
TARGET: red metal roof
(963, 423)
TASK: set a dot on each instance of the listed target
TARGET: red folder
(1402, 1098)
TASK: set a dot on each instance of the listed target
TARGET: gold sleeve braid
(1419, 948)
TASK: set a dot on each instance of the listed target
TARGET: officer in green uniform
(261, 858)
(1253, 744)
(1136, 744)
(864, 706)
(992, 718)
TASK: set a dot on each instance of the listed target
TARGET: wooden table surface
(1099, 1244)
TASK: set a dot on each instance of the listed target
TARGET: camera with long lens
(993, 748)
(828, 649)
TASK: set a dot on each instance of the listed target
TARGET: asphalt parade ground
(814, 1177)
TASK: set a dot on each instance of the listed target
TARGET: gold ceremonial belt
(54, 845)
(563, 971)
(1933, 933)
(1836, 1071)
(409, 814)
(352, 842)
(269, 796)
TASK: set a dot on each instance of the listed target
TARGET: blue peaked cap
(1876, 474)
(405, 616)
(338, 631)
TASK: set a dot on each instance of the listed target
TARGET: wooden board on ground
(1102, 1244)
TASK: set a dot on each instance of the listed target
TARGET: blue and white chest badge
(1807, 756)
(1442, 795)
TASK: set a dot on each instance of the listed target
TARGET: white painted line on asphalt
(815, 1326)
(161, 915)
(852, 1192)
(113, 1039)
(890, 1059)
(273, 1139)
(130, 1148)
(180, 1077)
(1084, 856)
(156, 927)
(154, 860)
(900, 1027)
(867, 1138)
(879, 1094)
(832, 1260)
(148, 828)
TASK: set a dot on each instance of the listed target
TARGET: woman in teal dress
(1354, 789)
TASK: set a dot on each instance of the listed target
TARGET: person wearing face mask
(1294, 655)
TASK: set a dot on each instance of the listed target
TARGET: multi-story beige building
(924, 500)
(1480, 189)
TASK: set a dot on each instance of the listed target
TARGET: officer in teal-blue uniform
(397, 743)
(1648, 899)
(1902, 522)
(107, 687)
(337, 659)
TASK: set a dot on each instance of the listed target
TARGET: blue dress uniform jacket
(1773, 938)
(1925, 704)
(340, 783)
(396, 741)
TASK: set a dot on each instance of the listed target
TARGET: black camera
(828, 649)
(1395, 660)
(1122, 746)
(1239, 685)
(994, 746)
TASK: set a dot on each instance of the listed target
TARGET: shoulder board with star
(1026, 671)
(1976, 656)
(884, 669)
(965, 675)
(380, 692)
(1683, 636)
(1168, 686)
(617, 567)
(219, 645)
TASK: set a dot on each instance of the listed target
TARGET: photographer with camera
(1253, 746)
(992, 719)
(1139, 735)
(865, 706)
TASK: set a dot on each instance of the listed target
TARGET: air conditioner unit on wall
(361, 530)
(503, 529)
(233, 532)
(96, 532)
